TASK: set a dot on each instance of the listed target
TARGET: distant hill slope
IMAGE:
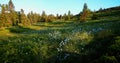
(112, 11)
(117, 8)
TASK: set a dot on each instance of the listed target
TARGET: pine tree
(61, 17)
(69, 15)
(6, 7)
(65, 17)
(3, 9)
(4, 17)
(36, 17)
(57, 16)
(14, 18)
(8, 16)
(85, 7)
(30, 16)
(84, 13)
(23, 19)
(11, 6)
(44, 17)
(51, 18)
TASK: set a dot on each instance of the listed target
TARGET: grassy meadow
(57, 36)
(61, 42)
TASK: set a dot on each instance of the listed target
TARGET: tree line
(15, 18)
(10, 17)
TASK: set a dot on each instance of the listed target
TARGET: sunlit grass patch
(35, 27)
(6, 32)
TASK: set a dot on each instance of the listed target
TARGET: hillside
(88, 37)
(114, 12)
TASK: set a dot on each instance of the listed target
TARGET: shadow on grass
(104, 49)
(98, 22)
(65, 57)
(65, 22)
(53, 24)
(19, 29)
(98, 51)
(22, 30)
(45, 28)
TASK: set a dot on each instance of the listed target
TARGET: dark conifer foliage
(84, 13)
(11, 6)
(44, 17)
(69, 15)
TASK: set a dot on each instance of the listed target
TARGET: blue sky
(60, 6)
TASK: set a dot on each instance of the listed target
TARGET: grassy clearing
(61, 42)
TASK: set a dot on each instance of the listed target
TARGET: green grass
(91, 41)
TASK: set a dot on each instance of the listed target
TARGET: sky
(60, 6)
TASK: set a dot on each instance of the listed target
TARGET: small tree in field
(84, 13)
(69, 15)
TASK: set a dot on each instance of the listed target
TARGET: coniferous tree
(65, 17)
(30, 17)
(6, 8)
(3, 9)
(33, 17)
(101, 11)
(69, 15)
(50, 18)
(11, 6)
(85, 13)
(44, 17)
(60, 17)
(4, 17)
(23, 19)
(85, 7)
(57, 16)
(36, 17)
(8, 16)
(14, 18)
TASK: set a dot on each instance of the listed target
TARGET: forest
(87, 37)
